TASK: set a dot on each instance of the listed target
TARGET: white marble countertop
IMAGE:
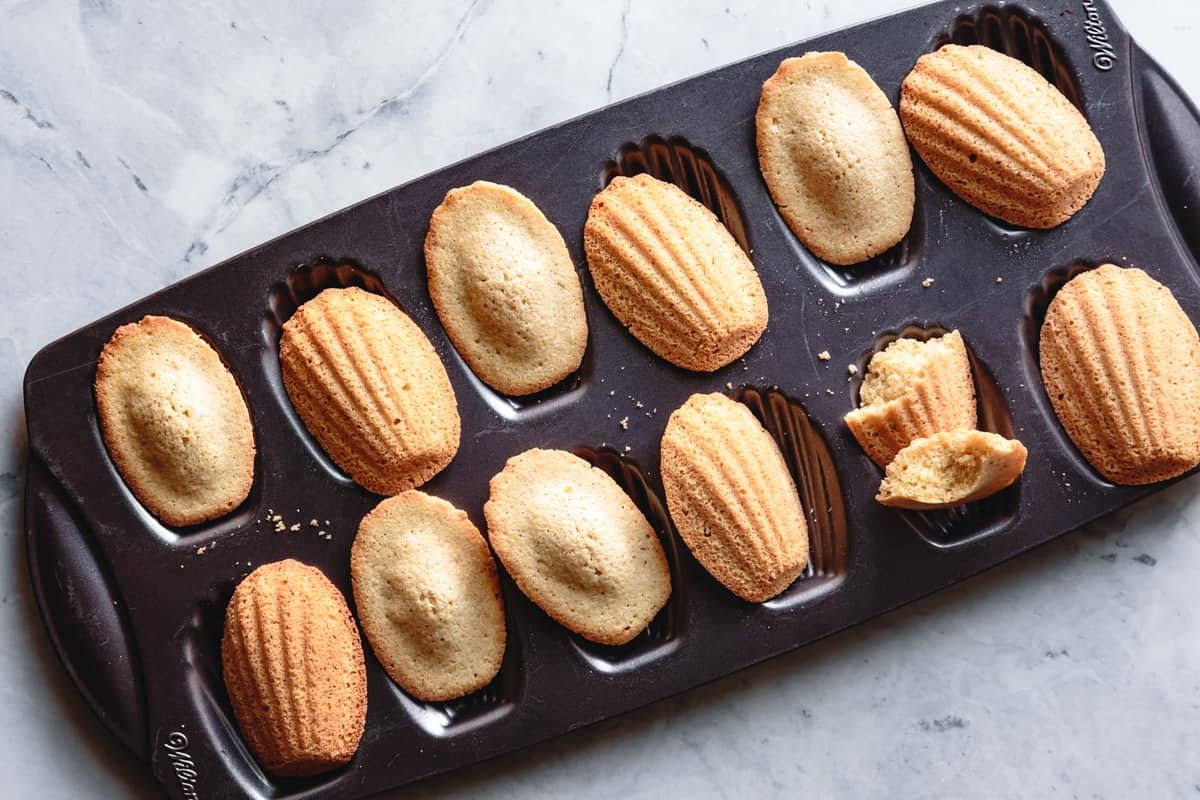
(141, 141)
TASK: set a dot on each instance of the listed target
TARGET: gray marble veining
(141, 141)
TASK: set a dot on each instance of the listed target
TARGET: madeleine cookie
(1121, 364)
(834, 157)
(428, 597)
(370, 388)
(174, 421)
(505, 288)
(671, 273)
(577, 546)
(294, 668)
(913, 389)
(951, 468)
(1000, 136)
(732, 498)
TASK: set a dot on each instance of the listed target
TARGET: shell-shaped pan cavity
(1014, 32)
(954, 527)
(305, 282)
(301, 284)
(808, 460)
(675, 160)
(663, 633)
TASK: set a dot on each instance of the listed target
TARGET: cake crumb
(201, 550)
(624, 423)
(280, 527)
(853, 370)
(295, 527)
(824, 355)
(927, 282)
(729, 385)
(312, 523)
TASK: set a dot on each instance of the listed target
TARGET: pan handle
(81, 609)
(1170, 129)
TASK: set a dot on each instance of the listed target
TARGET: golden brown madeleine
(293, 665)
(1000, 135)
(913, 389)
(1121, 364)
(951, 468)
(834, 157)
(370, 388)
(174, 421)
(505, 288)
(577, 546)
(428, 596)
(671, 273)
(732, 498)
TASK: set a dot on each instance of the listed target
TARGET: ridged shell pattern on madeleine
(1120, 361)
(834, 157)
(913, 389)
(672, 274)
(577, 546)
(293, 665)
(370, 388)
(174, 421)
(1000, 135)
(428, 596)
(505, 288)
(732, 498)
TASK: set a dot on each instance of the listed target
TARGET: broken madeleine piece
(912, 389)
(951, 468)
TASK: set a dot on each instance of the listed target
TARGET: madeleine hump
(913, 389)
(174, 421)
(732, 498)
(1000, 136)
(577, 546)
(293, 666)
(950, 469)
(834, 157)
(370, 388)
(672, 274)
(428, 596)
(1120, 361)
(505, 288)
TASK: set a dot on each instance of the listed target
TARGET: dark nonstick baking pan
(135, 609)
